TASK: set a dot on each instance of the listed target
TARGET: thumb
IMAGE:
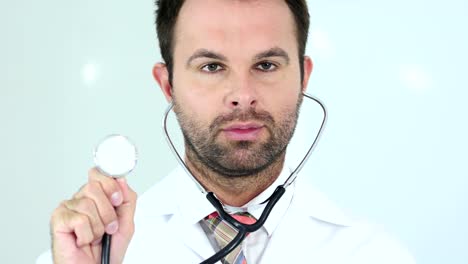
(126, 210)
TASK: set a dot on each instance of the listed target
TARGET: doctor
(235, 70)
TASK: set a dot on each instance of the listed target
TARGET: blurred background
(392, 73)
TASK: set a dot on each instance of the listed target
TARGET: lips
(243, 131)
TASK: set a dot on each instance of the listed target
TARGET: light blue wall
(392, 73)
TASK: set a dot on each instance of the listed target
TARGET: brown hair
(168, 10)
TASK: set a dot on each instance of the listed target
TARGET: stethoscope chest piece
(115, 156)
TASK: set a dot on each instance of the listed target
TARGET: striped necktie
(225, 233)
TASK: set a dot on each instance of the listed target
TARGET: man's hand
(103, 205)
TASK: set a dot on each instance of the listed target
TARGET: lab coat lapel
(191, 206)
(310, 221)
(192, 236)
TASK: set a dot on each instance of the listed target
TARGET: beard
(237, 158)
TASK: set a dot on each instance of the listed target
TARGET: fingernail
(122, 180)
(116, 199)
(112, 228)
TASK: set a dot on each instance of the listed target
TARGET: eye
(212, 67)
(266, 66)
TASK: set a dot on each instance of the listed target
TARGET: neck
(234, 191)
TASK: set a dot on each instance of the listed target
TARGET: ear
(161, 75)
(308, 67)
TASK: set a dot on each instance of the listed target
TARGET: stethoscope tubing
(105, 253)
(243, 229)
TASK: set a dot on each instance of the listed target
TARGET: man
(235, 70)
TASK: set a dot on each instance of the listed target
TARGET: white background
(392, 73)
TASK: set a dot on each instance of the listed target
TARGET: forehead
(234, 26)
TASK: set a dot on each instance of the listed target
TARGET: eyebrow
(204, 53)
(273, 52)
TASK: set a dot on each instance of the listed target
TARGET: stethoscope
(116, 156)
(244, 229)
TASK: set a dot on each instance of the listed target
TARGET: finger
(126, 210)
(65, 221)
(109, 185)
(94, 191)
(86, 206)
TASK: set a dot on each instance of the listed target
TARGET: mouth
(243, 131)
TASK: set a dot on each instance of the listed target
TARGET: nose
(242, 95)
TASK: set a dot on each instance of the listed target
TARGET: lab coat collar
(178, 199)
(177, 194)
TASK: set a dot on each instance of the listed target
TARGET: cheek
(282, 96)
(285, 109)
(197, 88)
(195, 105)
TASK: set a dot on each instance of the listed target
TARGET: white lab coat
(313, 230)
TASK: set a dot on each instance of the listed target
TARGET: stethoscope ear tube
(294, 174)
(242, 229)
(291, 177)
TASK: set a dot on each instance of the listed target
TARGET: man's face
(236, 82)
